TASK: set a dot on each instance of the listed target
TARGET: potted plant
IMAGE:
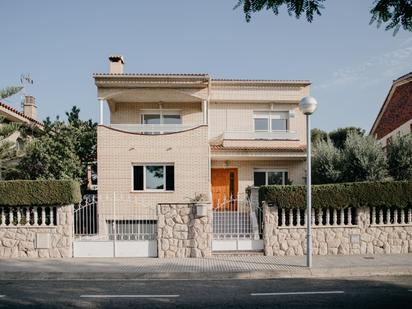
(202, 204)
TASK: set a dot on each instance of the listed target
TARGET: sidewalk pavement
(216, 267)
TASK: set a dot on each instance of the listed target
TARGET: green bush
(397, 194)
(39, 192)
(326, 162)
(399, 154)
(363, 159)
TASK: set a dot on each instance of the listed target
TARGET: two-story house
(172, 137)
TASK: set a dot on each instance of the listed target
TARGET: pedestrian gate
(237, 225)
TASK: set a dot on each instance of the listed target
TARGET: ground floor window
(154, 177)
(132, 229)
(262, 177)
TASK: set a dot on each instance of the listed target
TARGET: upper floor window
(271, 121)
(161, 117)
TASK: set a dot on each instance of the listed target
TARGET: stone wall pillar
(254, 197)
(181, 233)
(270, 229)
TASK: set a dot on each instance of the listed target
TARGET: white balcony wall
(130, 113)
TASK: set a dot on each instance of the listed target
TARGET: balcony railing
(152, 128)
(251, 135)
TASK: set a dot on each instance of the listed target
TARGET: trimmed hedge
(397, 194)
(39, 192)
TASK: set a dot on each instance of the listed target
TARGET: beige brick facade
(117, 152)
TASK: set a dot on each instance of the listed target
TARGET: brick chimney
(29, 107)
(116, 64)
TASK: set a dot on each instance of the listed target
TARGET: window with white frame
(154, 177)
(161, 117)
(264, 177)
(271, 121)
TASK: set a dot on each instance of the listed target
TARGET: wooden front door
(224, 188)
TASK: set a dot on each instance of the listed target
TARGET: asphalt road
(371, 292)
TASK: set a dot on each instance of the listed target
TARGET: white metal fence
(237, 224)
(85, 217)
(114, 225)
(114, 216)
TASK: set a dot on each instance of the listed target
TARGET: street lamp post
(308, 106)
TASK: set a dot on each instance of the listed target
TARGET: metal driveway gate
(114, 226)
(237, 225)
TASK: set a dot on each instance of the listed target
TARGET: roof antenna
(25, 79)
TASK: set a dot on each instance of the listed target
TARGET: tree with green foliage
(399, 154)
(9, 153)
(8, 150)
(318, 135)
(51, 155)
(62, 151)
(363, 159)
(339, 136)
(396, 14)
(326, 162)
(85, 136)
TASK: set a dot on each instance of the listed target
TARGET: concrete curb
(271, 274)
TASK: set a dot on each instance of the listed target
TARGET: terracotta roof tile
(283, 81)
(8, 107)
(201, 75)
(300, 148)
(153, 74)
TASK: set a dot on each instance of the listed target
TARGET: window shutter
(286, 178)
(137, 178)
(259, 178)
(170, 178)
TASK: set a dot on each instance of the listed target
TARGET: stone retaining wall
(362, 238)
(181, 233)
(26, 241)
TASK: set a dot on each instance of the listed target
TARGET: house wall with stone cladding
(362, 238)
(181, 233)
(21, 241)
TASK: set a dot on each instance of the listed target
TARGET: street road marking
(296, 293)
(129, 296)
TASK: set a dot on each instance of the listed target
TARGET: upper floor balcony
(153, 129)
(258, 135)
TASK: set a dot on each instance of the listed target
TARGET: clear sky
(61, 43)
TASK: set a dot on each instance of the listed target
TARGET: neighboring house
(172, 137)
(28, 116)
(395, 115)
